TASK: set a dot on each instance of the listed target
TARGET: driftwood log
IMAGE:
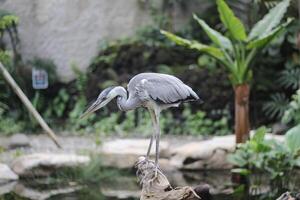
(287, 196)
(160, 188)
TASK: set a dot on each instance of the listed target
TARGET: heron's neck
(124, 103)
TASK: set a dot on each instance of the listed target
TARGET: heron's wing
(163, 88)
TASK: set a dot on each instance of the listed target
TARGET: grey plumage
(154, 91)
(161, 88)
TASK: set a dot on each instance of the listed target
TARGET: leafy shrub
(277, 159)
(292, 114)
(197, 124)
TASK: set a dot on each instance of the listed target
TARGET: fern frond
(276, 107)
(290, 78)
(268, 3)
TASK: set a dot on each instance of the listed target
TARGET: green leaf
(298, 162)
(270, 21)
(220, 40)
(213, 51)
(237, 159)
(292, 139)
(241, 171)
(231, 22)
(259, 135)
(261, 42)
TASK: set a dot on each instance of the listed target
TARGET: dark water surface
(123, 187)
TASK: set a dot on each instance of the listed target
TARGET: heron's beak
(95, 106)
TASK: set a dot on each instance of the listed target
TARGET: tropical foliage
(262, 155)
(292, 113)
(236, 51)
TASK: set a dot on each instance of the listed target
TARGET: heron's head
(104, 98)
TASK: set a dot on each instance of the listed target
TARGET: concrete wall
(70, 31)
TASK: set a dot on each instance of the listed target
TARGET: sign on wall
(39, 79)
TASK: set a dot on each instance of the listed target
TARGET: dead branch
(161, 189)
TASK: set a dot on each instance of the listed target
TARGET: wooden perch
(160, 188)
(28, 104)
(287, 196)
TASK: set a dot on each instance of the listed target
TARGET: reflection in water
(124, 186)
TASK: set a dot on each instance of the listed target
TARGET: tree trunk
(242, 124)
(161, 189)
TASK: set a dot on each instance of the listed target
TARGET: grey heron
(153, 91)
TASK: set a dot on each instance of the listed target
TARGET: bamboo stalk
(28, 104)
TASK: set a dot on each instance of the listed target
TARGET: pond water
(123, 186)
(120, 187)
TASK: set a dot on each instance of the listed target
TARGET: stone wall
(70, 31)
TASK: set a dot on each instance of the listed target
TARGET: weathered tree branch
(161, 189)
(287, 196)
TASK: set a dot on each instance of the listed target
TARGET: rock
(166, 165)
(120, 194)
(7, 187)
(122, 153)
(6, 174)
(18, 140)
(42, 164)
(35, 194)
(208, 154)
(279, 128)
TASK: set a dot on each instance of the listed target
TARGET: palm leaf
(220, 40)
(266, 39)
(231, 22)
(213, 51)
(292, 139)
(270, 20)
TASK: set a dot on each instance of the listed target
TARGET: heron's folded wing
(165, 89)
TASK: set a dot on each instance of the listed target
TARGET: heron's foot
(155, 176)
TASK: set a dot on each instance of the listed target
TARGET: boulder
(6, 174)
(42, 164)
(207, 154)
(122, 153)
(279, 128)
(18, 140)
(36, 194)
(7, 187)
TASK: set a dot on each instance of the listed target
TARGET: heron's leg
(152, 114)
(157, 137)
(157, 127)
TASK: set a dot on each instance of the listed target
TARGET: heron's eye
(104, 98)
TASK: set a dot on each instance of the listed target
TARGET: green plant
(277, 159)
(10, 126)
(237, 51)
(292, 113)
(200, 124)
(278, 104)
(276, 107)
(59, 104)
(7, 124)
